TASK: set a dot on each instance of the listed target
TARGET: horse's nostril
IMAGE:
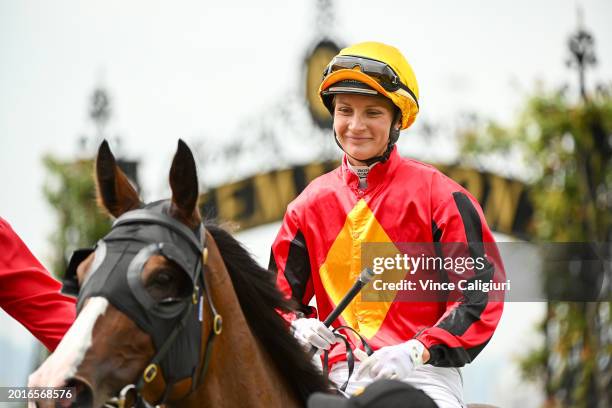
(83, 394)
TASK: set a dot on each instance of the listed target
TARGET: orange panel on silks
(338, 276)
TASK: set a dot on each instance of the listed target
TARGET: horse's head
(137, 290)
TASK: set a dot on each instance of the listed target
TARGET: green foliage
(71, 191)
(566, 149)
(568, 165)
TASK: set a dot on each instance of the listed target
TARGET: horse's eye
(168, 285)
(162, 279)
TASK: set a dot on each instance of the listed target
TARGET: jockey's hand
(392, 361)
(312, 332)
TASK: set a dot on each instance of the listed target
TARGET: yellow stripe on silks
(343, 265)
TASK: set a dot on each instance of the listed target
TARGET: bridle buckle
(150, 373)
(218, 324)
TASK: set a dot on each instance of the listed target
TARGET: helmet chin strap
(393, 136)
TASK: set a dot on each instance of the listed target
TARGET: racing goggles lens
(379, 71)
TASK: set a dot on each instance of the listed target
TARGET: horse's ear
(114, 191)
(184, 185)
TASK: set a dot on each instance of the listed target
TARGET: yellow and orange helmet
(373, 68)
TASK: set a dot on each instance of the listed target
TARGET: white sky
(198, 69)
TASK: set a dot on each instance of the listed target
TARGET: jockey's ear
(115, 193)
(184, 185)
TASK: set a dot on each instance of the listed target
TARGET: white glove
(392, 361)
(312, 332)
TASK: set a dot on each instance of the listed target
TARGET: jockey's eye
(344, 110)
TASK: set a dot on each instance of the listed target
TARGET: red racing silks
(317, 252)
(29, 293)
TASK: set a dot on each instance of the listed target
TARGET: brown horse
(150, 305)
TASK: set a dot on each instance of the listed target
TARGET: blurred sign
(130, 168)
(315, 63)
(263, 198)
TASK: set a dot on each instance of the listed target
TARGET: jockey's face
(362, 124)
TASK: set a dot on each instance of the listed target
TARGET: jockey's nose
(83, 393)
(356, 123)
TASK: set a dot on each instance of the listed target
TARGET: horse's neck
(240, 373)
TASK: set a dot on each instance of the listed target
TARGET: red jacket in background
(29, 293)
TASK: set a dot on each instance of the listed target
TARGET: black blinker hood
(134, 238)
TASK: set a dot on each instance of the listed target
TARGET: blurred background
(515, 99)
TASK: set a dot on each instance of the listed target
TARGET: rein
(350, 359)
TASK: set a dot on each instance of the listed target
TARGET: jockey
(29, 293)
(377, 196)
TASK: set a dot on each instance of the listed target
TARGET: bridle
(132, 394)
(146, 382)
(151, 387)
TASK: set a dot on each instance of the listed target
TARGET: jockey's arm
(468, 323)
(290, 262)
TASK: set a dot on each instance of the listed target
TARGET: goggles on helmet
(379, 71)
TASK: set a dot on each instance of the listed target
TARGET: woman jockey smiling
(377, 196)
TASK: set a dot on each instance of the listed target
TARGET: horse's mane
(260, 299)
